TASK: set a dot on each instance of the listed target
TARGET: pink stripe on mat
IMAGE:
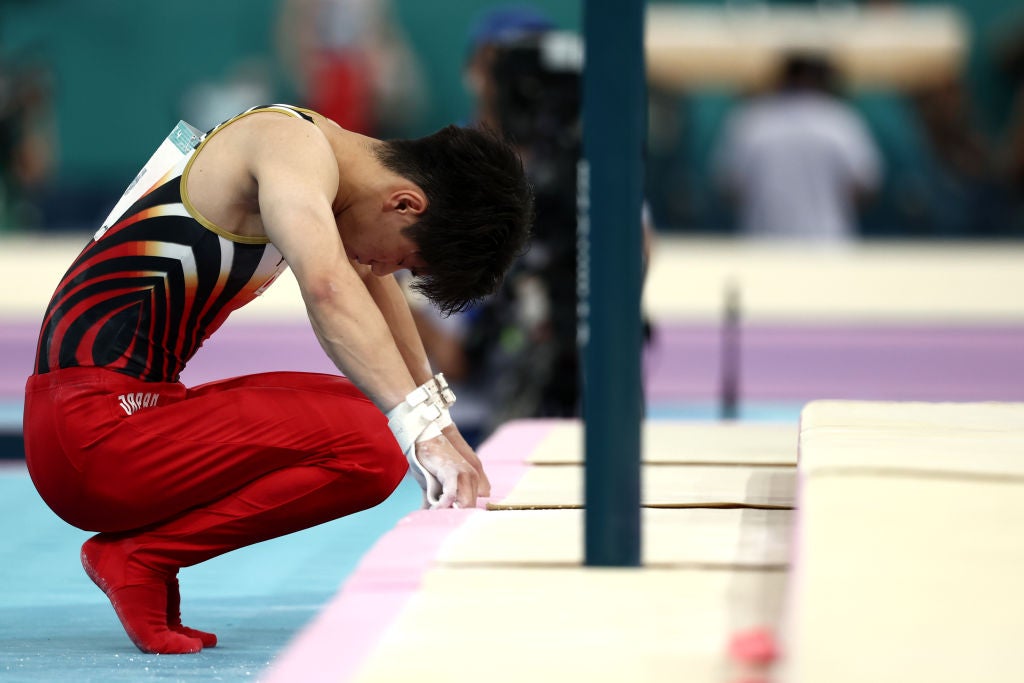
(335, 644)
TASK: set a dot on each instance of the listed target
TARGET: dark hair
(808, 71)
(478, 216)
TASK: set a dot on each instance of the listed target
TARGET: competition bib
(176, 147)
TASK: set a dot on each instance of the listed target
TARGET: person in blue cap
(516, 355)
(491, 30)
(457, 343)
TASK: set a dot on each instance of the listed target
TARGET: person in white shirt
(798, 160)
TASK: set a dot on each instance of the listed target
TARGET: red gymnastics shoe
(174, 617)
(138, 594)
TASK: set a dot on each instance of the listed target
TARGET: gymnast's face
(376, 236)
(385, 258)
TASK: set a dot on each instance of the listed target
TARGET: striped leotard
(144, 294)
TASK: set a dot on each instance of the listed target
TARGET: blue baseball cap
(507, 23)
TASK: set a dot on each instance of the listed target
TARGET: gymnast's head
(477, 215)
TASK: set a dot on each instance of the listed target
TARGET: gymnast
(169, 475)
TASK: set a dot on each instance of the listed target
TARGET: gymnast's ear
(407, 200)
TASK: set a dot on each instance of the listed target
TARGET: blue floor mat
(55, 625)
(754, 411)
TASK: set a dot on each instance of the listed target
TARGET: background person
(797, 161)
(516, 354)
(351, 61)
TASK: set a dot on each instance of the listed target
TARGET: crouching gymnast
(171, 476)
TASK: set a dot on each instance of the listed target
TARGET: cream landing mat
(913, 415)
(685, 443)
(960, 440)
(573, 624)
(909, 549)
(903, 282)
(693, 537)
(561, 486)
(905, 579)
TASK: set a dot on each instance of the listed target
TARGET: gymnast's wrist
(423, 413)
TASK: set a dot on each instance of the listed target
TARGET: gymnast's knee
(393, 464)
(383, 466)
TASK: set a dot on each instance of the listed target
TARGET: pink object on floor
(754, 646)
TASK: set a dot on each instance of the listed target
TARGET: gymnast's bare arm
(387, 294)
(297, 175)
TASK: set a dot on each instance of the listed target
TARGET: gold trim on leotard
(187, 202)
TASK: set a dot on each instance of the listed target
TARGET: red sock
(174, 617)
(138, 595)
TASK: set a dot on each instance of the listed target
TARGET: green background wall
(121, 68)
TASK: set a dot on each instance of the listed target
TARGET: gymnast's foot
(174, 617)
(138, 594)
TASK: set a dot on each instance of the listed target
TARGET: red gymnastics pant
(190, 474)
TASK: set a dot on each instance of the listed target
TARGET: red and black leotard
(143, 296)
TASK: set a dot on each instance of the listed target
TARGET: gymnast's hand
(483, 487)
(458, 478)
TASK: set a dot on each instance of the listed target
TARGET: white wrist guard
(421, 417)
(442, 396)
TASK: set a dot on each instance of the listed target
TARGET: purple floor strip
(777, 362)
(870, 362)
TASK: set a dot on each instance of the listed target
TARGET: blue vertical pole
(611, 195)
